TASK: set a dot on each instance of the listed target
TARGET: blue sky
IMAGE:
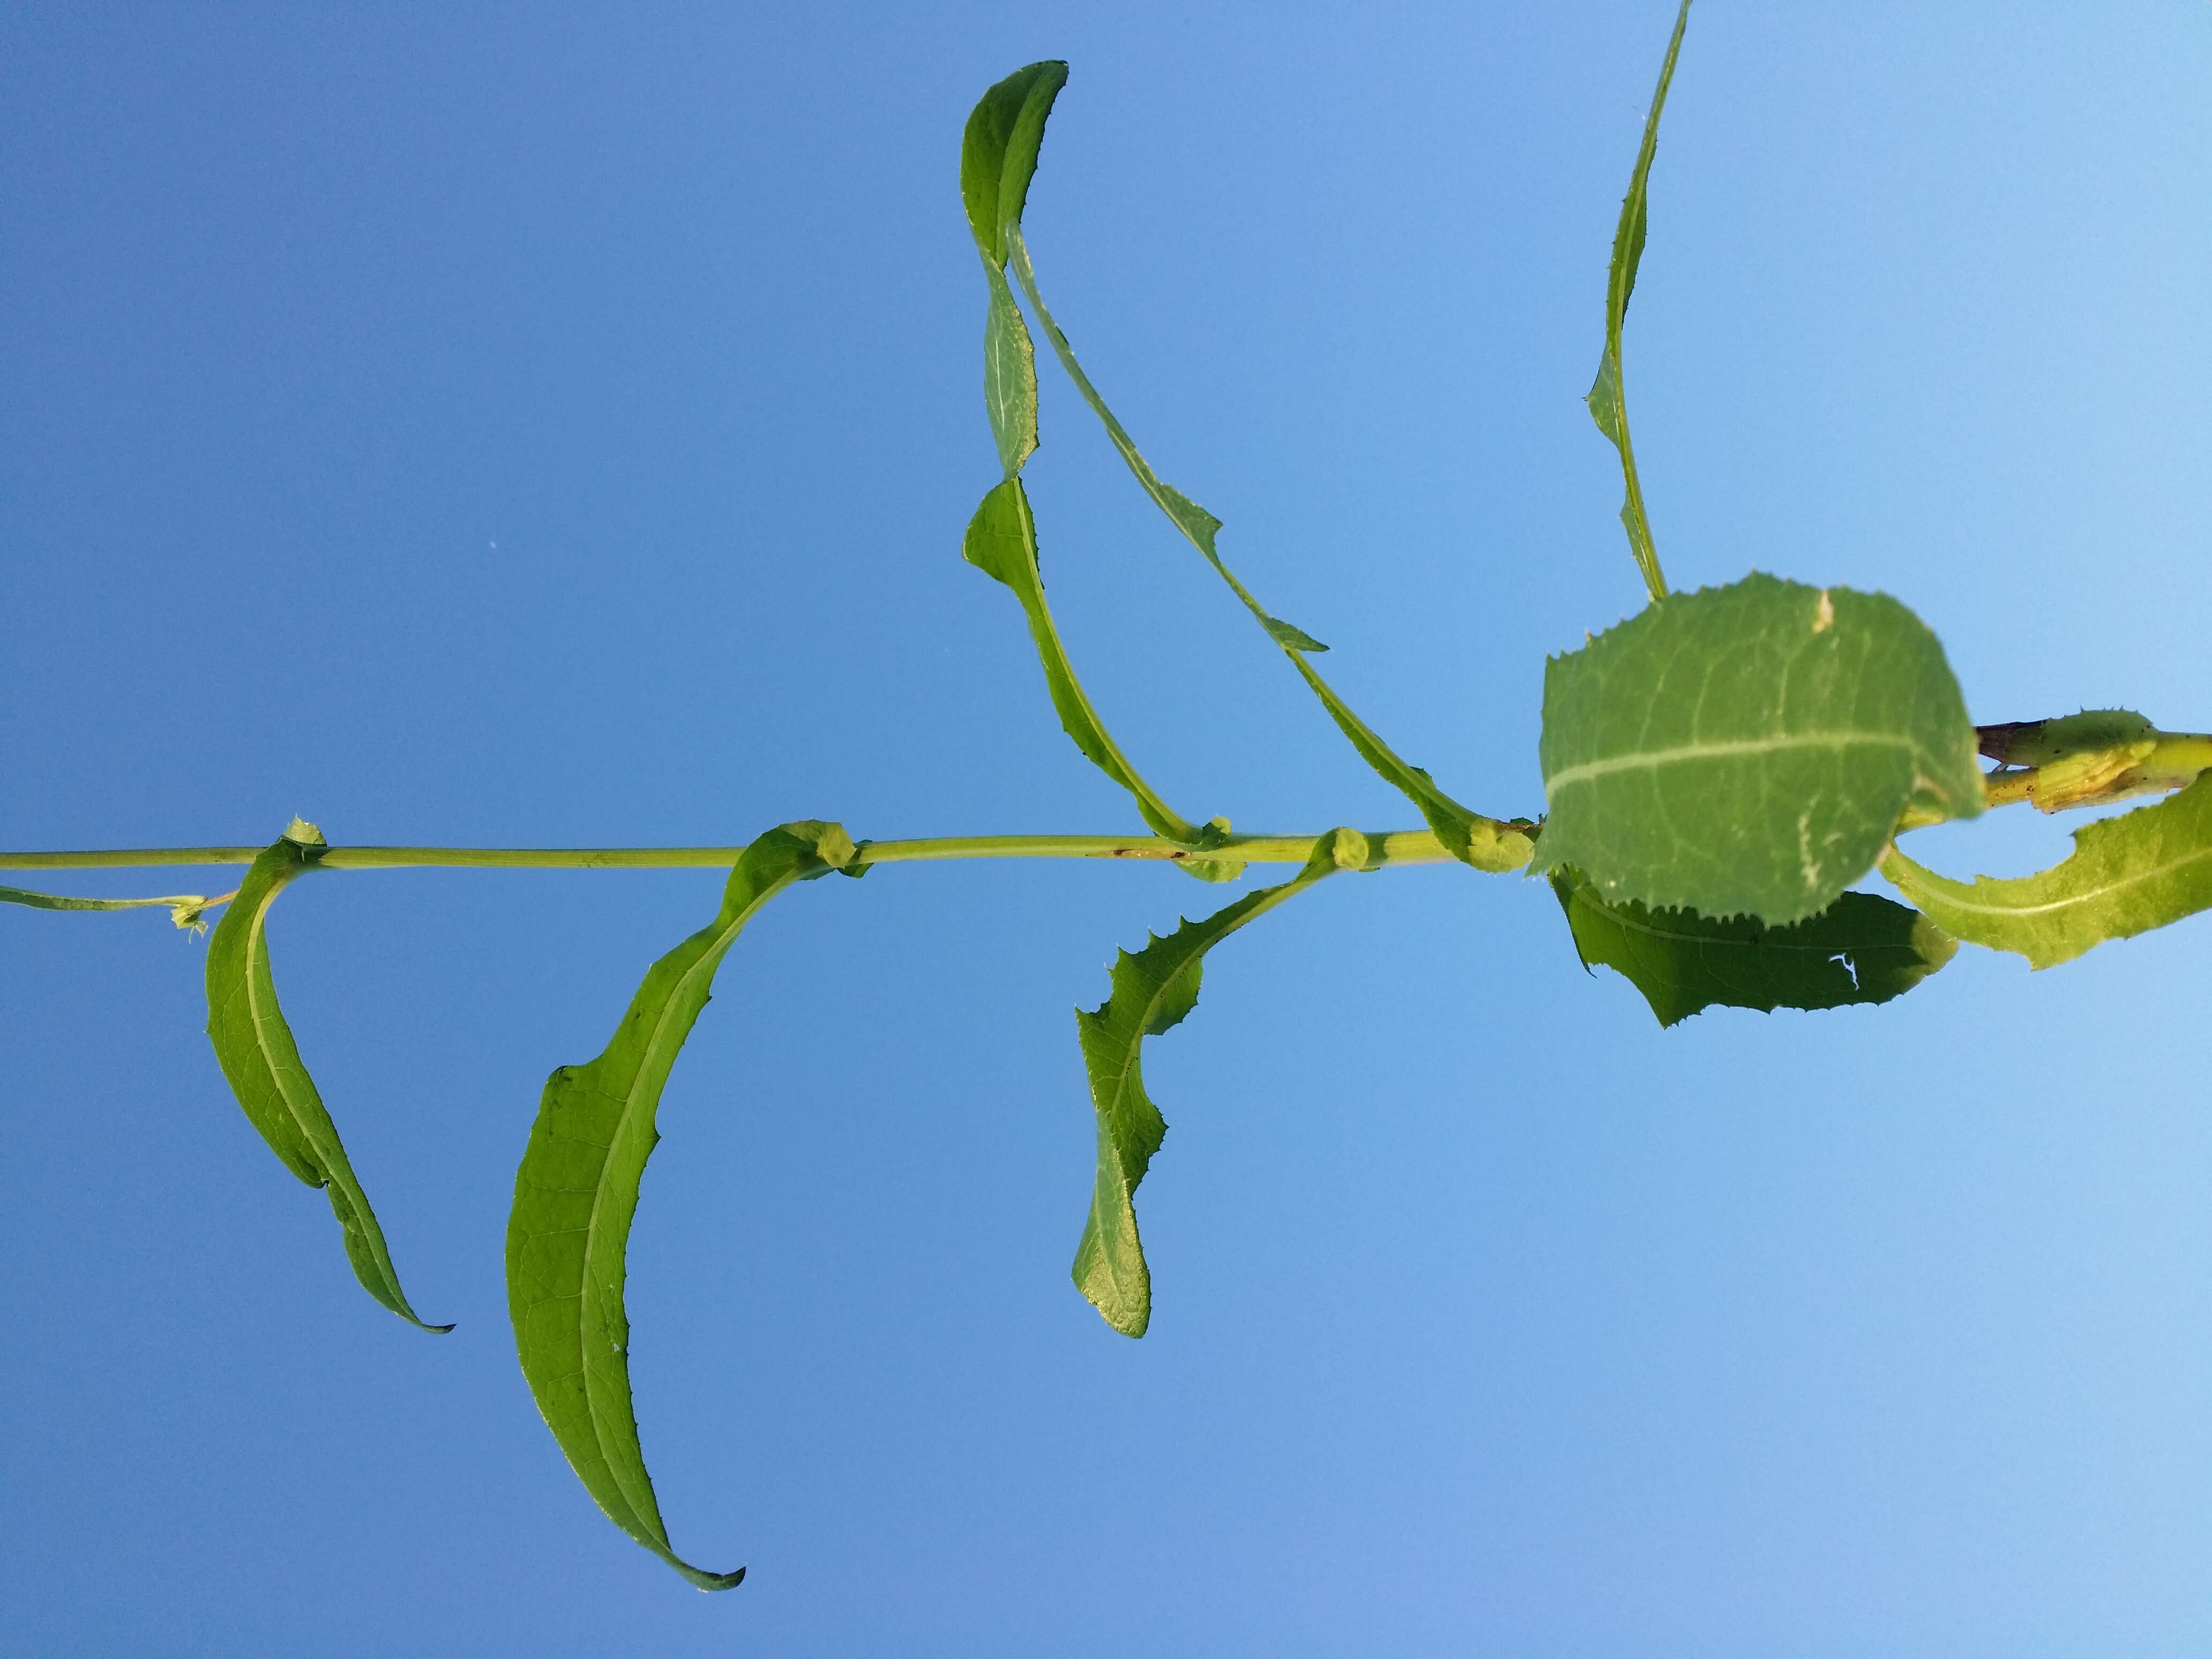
(550, 426)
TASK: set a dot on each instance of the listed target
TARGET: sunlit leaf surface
(576, 1191)
(1748, 750)
(254, 1046)
(2126, 876)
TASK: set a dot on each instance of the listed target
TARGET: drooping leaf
(1860, 949)
(254, 1046)
(1748, 750)
(185, 909)
(1153, 990)
(2125, 875)
(576, 1193)
(1001, 543)
(1607, 405)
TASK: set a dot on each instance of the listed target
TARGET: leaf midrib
(1958, 888)
(1720, 749)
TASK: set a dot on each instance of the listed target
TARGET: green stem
(1392, 847)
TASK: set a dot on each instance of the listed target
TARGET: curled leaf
(2126, 876)
(575, 1195)
(1861, 949)
(254, 1044)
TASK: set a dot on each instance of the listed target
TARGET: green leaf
(1010, 388)
(1860, 949)
(1748, 750)
(2125, 875)
(1001, 543)
(254, 1046)
(185, 909)
(1607, 405)
(999, 153)
(576, 1193)
(1153, 990)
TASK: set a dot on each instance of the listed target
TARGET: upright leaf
(1606, 405)
(1001, 543)
(576, 1193)
(1748, 750)
(1860, 949)
(254, 1046)
(997, 156)
(2125, 875)
(1153, 990)
(999, 153)
(997, 159)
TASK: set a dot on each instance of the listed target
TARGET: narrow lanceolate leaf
(254, 1046)
(1748, 750)
(185, 909)
(1860, 949)
(1607, 406)
(576, 1194)
(1001, 542)
(998, 157)
(998, 161)
(1153, 989)
(2125, 875)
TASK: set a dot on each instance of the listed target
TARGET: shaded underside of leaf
(255, 1048)
(1748, 750)
(1153, 989)
(2125, 875)
(1001, 543)
(575, 1195)
(1861, 949)
(1607, 405)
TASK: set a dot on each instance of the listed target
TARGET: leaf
(1860, 949)
(998, 157)
(576, 1193)
(999, 153)
(184, 909)
(2125, 875)
(1153, 990)
(1001, 543)
(254, 1046)
(1607, 405)
(1748, 750)
(2093, 758)
(1010, 388)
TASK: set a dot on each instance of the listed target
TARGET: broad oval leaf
(576, 1191)
(1748, 750)
(2125, 875)
(1861, 949)
(1153, 990)
(254, 1046)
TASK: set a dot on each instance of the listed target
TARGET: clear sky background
(550, 425)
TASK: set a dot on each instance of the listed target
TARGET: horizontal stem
(1392, 847)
